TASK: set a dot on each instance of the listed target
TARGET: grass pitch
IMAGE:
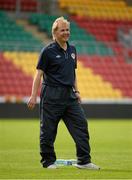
(111, 145)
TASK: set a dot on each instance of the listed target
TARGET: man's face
(63, 32)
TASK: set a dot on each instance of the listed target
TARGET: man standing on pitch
(60, 98)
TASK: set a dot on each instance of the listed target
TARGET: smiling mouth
(67, 36)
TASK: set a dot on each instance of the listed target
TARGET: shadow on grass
(116, 170)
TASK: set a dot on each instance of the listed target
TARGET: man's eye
(64, 30)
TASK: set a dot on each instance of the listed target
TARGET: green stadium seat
(14, 37)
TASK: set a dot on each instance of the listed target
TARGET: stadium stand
(109, 10)
(14, 37)
(95, 86)
(13, 82)
(94, 30)
(115, 71)
(10, 5)
(26, 61)
(18, 49)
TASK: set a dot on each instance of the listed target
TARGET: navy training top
(58, 65)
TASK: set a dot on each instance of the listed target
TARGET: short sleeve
(43, 60)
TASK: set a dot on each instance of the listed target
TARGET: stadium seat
(14, 37)
(10, 5)
(116, 72)
(13, 81)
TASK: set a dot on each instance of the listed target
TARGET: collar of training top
(59, 47)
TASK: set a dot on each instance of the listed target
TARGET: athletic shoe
(87, 166)
(52, 166)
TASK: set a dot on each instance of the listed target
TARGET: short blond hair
(55, 25)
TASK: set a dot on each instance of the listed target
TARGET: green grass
(111, 143)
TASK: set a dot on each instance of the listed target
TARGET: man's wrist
(77, 91)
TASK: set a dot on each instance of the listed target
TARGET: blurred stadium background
(102, 33)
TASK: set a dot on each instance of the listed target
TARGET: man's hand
(32, 102)
(36, 83)
(78, 96)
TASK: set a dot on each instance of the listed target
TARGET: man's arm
(35, 87)
(77, 91)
